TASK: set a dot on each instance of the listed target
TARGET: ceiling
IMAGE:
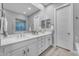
(23, 8)
(46, 4)
(27, 9)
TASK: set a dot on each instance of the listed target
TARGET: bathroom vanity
(19, 42)
(26, 45)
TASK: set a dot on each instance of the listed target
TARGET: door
(41, 44)
(32, 49)
(48, 41)
(64, 26)
(18, 52)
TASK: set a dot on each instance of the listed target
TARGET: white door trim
(55, 22)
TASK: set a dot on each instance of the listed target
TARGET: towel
(4, 27)
(5, 24)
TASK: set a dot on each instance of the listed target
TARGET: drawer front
(1, 51)
(32, 49)
(18, 45)
(17, 52)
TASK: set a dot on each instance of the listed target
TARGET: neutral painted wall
(11, 18)
(48, 11)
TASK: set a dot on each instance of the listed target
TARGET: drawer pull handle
(24, 52)
(48, 39)
(27, 50)
(68, 33)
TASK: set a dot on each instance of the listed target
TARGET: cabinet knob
(48, 39)
(24, 52)
(68, 33)
(28, 50)
(41, 45)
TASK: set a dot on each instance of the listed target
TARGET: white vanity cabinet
(31, 47)
(44, 42)
(21, 48)
(27, 50)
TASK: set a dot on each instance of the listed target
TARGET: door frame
(55, 24)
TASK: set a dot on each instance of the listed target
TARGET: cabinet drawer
(17, 52)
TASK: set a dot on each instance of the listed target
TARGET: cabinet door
(32, 49)
(48, 41)
(1, 51)
(41, 45)
(18, 52)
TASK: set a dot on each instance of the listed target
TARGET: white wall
(44, 11)
(48, 11)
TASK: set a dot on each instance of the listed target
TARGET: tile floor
(57, 52)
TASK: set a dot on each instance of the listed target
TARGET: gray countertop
(16, 38)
